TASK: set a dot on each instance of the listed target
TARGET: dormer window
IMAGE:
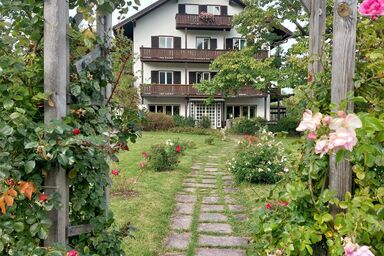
(214, 9)
(165, 42)
(192, 9)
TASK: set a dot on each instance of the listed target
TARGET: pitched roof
(154, 6)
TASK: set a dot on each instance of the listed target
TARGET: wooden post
(56, 77)
(316, 32)
(343, 68)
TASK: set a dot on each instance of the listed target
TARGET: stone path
(200, 225)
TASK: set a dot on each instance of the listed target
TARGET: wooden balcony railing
(193, 21)
(179, 55)
(181, 90)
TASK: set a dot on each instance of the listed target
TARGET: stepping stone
(185, 198)
(219, 252)
(229, 200)
(227, 178)
(223, 228)
(190, 180)
(211, 169)
(222, 241)
(178, 241)
(196, 167)
(212, 208)
(229, 182)
(190, 190)
(198, 185)
(241, 217)
(235, 208)
(208, 181)
(212, 217)
(211, 200)
(193, 176)
(230, 190)
(181, 222)
(184, 208)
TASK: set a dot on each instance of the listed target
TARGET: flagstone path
(200, 225)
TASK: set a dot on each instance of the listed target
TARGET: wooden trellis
(56, 83)
(343, 68)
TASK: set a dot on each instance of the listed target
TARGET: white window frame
(209, 43)
(167, 40)
(204, 73)
(213, 9)
(166, 72)
(239, 45)
(164, 106)
(192, 5)
(232, 106)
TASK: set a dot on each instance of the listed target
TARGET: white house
(175, 42)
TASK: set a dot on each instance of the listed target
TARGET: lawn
(148, 201)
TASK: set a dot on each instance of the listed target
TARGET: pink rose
(72, 253)
(327, 120)
(309, 121)
(372, 7)
(342, 138)
(311, 136)
(322, 147)
(350, 122)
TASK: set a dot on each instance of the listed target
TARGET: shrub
(286, 124)
(243, 125)
(165, 156)
(259, 159)
(195, 130)
(205, 123)
(210, 140)
(181, 121)
(157, 122)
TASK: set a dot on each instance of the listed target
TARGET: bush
(157, 122)
(286, 124)
(181, 121)
(205, 123)
(195, 130)
(210, 140)
(259, 159)
(165, 156)
(243, 125)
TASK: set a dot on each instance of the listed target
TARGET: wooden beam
(307, 5)
(79, 230)
(56, 79)
(87, 59)
(343, 69)
(316, 37)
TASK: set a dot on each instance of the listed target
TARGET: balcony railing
(179, 55)
(181, 90)
(194, 21)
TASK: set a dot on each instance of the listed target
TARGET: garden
(83, 171)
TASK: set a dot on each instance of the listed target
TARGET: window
(171, 110)
(201, 76)
(165, 42)
(165, 77)
(214, 9)
(191, 9)
(203, 43)
(241, 111)
(239, 43)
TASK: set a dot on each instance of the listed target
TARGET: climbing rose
(327, 120)
(350, 122)
(352, 249)
(145, 155)
(72, 253)
(309, 122)
(178, 148)
(115, 172)
(322, 147)
(342, 138)
(311, 136)
(43, 198)
(268, 206)
(372, 8)
(76, 131)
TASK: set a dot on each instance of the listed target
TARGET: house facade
(174, 43)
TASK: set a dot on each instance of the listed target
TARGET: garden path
(201, 224)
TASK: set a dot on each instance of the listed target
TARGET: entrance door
(198, 110)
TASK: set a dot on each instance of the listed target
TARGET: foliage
(210, 140)
(182, 121)
(195, 130)
(157, 122)
(165, 156)
(242, 125)
(82, 143)
(286, 124)
(205, 123)
(260, 159)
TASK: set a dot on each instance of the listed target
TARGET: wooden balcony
(179, 55)
(182, 90)
(194, 21)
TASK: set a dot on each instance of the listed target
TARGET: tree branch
(301, 29)
(307, 5)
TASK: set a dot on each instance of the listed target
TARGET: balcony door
(214, 9)
(165, 42)
(206, 43)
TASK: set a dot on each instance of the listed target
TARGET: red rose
(145, 155)
(268, 206)
(43, 198)
(115, 172)
(76, 131)
(178, 148)
(72, 253)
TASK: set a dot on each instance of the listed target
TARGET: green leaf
(29, 166)
(15, 115)
(63, 160)
(33, 229)
(340, 155)
(1, 246)
(43, 233)
(18, 226)
(32, 144)
(309, 249)
(6, 130)
(8, 104)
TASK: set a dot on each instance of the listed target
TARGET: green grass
(149, 203)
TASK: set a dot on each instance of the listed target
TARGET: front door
(214, 112)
